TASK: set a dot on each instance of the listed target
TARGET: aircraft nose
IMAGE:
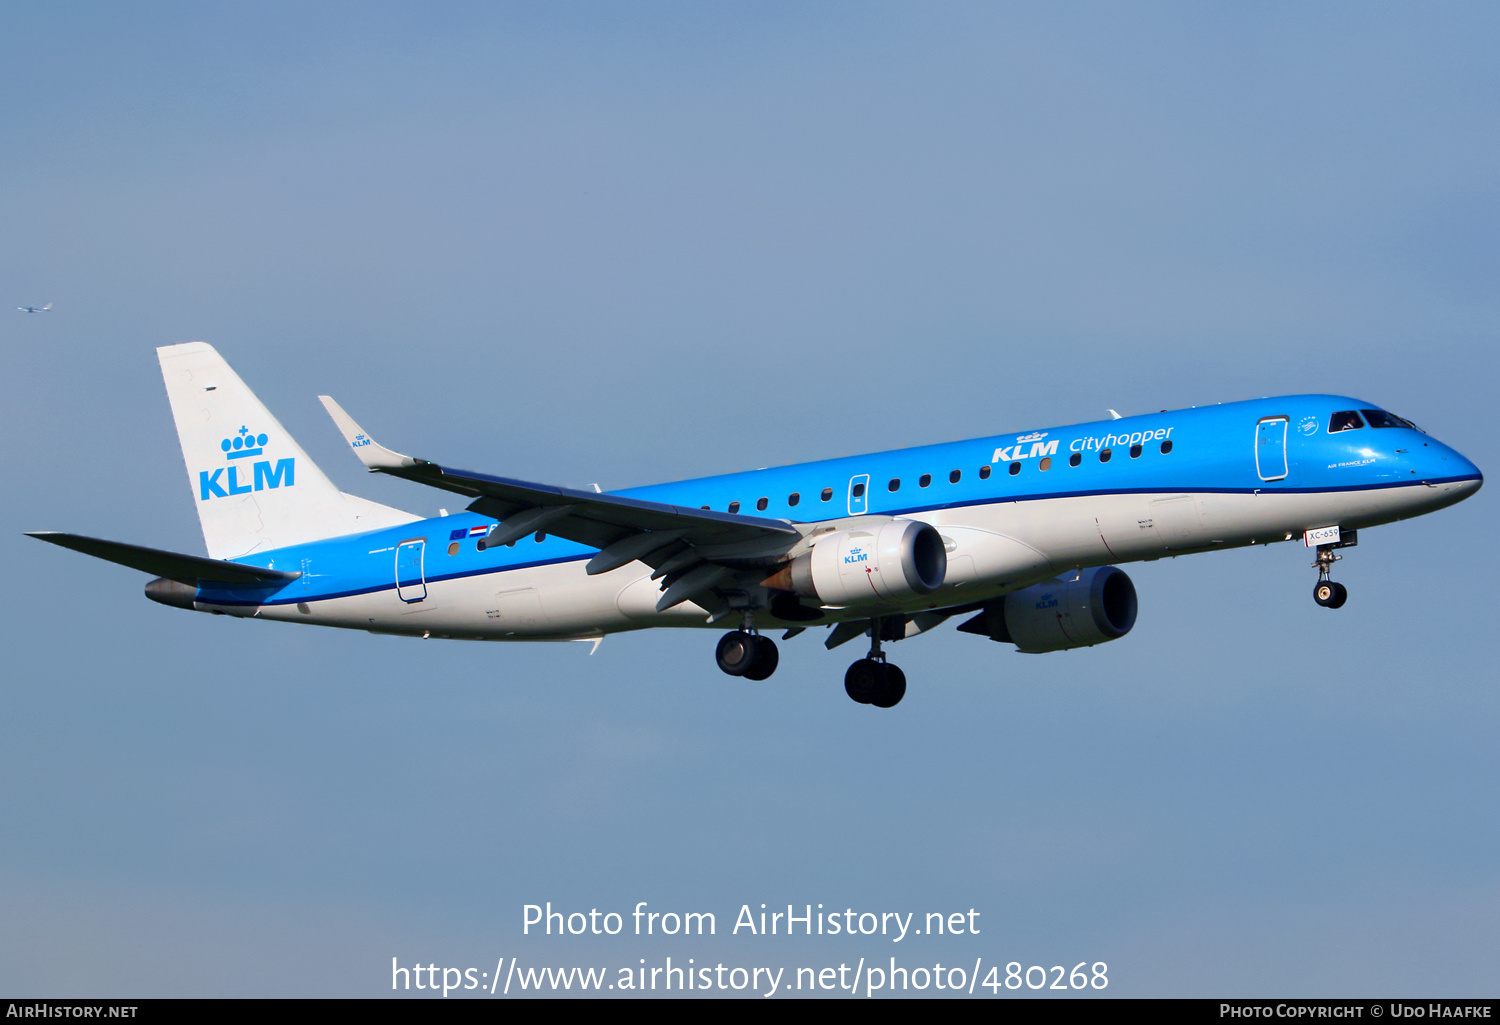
(1452, 474)
(1462, 468)
(1474, 482)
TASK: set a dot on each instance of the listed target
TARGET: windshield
(1380, 418)
(1347, 420)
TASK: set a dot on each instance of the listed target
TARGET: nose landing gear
(873, 680)
(1326, 593)
(1329, 594)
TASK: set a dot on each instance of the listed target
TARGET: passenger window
(858, 491)
(955, 476)
(1075, 459)
(984, 472)
(793, 498)
(1166, 447)
(1135, 451)
(828, 494)
(453, 548)
(1045, 464)
(1348, 420)
(541, 536)
(1104, 454)
(762, 503)
(1015, 468)
(734, 507)
(925, 480)
(705, 507)
(894, 485)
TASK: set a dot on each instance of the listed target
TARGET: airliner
(1019, 534)
(35, 309)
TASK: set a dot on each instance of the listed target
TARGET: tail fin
(254, 487)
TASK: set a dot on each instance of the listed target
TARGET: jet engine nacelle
(1075, 611)
(895, 560)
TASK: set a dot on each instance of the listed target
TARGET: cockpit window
(1380, 418)
(1348, 420)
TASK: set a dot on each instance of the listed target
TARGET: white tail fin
(254, 487)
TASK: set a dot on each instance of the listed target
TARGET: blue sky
(589, 242)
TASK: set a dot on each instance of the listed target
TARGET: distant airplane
(35, 309)
(1012, 531)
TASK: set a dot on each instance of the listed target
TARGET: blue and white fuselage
(1011, 522)
(891, 542)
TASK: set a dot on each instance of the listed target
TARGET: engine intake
(898, 559)
(1095, 606)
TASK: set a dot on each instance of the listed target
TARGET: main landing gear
(872, 680)
(1326, 593)
(742, 653)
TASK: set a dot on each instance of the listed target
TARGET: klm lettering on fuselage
(1039, 448)
(227, 480)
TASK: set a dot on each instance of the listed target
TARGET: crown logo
(243, 444)
(1038, 436)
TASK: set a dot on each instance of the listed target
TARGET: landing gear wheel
(736, 652)
(892, 686)
(862, 680)
(875, 683)
(764, 660)
(1330, 595)
(1327, 593)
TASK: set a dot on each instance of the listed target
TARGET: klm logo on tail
(232, 480)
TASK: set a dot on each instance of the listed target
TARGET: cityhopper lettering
(233, 479)
(1123, 440)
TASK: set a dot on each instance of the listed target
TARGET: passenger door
(411, 585)
(1270, 448)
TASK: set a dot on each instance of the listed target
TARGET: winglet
(374, 456)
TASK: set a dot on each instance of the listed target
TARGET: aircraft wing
(188, 569)
(684, 542)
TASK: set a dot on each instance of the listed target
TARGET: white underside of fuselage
(992, 550)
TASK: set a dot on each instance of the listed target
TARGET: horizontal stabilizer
(187, 569)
